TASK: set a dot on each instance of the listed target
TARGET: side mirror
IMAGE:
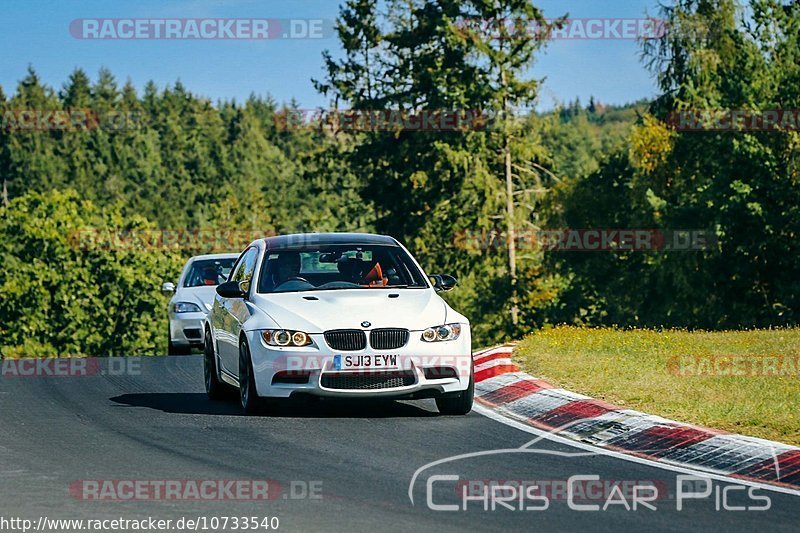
(443, 282)
(233, 289)
(168, 288)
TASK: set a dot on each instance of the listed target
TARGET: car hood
(413, 309)
(202, 296)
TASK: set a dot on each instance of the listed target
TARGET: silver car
(192, 299)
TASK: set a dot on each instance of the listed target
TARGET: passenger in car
(375, 277)
(351, 269)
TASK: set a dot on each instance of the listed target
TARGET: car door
(234, 313)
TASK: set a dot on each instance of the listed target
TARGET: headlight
(185, 307)
(447, 332)
(285, 337)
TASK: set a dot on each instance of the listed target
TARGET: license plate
(364, 362)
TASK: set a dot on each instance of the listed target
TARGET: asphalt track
(155, 423)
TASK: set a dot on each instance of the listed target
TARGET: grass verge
(745, 382)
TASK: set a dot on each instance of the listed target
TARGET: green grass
(636, 369)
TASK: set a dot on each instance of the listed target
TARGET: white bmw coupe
(337, 315)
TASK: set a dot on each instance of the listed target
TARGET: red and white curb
(503, 388)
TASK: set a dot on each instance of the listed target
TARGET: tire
(177, 350)
(215, 389)
(461, 403)
(251, 403)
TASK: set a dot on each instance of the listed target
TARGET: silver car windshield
(208, 272)
(333, 267)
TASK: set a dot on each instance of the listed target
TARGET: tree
(424, 58)
(508, 54)
(739, 185)
(77, 92)
(31, 149)
(62, 298)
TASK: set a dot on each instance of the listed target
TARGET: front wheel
(459, 404)
(247, 383)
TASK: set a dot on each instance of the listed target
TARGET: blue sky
(37, 32)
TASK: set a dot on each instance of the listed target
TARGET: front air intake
(368, 380)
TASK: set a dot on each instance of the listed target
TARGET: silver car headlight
(446, 332)
(185, 307)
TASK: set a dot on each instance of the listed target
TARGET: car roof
(301, 240)
(214, 256)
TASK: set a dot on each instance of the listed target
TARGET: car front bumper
(186, 329)
(422, 369)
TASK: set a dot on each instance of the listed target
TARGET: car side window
(250, 264)
(246, 266)
(241, 264)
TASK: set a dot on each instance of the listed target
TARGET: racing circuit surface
(155, 423)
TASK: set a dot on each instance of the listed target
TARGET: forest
(106, 190)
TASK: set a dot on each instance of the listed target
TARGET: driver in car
(287, 266)
(211, 275)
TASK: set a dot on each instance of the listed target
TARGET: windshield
(339, 267)
(208, 272)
